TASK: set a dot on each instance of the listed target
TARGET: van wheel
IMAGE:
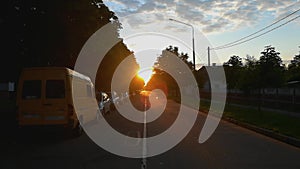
(103, 112)
(112, 107)
(77, 131)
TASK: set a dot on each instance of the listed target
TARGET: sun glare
(145, 74)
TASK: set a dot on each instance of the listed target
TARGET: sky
(146, 27)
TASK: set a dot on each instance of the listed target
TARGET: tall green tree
(271, 70)
(293, 73)
(233, 68)
(52, 33)
(49, 33)
(175, 51)
(250, 75)
(162, 79)
(234, 61)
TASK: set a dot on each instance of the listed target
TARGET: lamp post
(193, 39)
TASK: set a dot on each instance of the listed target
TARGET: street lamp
(193, 41)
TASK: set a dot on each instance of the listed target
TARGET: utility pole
(194, 58)
(208, 55)
(193, 39)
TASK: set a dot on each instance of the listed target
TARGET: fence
(286, 99)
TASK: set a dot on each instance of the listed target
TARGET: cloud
(212, 16)
(217, 26)
(290, 7)
(186, 13)
(132, 4)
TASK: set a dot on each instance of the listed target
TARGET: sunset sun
(145, 74)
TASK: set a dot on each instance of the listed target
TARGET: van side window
(55, 89)
(31, 89)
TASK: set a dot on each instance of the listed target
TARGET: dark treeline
(51, 33)
(266, 72)
(163, 80)
(261, 83)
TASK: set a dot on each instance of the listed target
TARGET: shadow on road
(34, 135)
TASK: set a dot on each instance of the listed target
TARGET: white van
(45, 96)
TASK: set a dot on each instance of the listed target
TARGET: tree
(271, 70)
(270, 57)
(234, 61)
(293, 73)
(173, 51)
(296, 61)
(136, 84)
(109, 64)
(52, 33)
(249, 78)
(162, 79)
(251, 62)
(249, 75)
(49, 33)
(233, 68)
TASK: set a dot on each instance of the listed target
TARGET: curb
(267, 132)
(283, 138)
(277, 136)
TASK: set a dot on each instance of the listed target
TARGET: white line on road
(144, 153)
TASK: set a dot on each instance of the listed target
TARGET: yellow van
(46, 96)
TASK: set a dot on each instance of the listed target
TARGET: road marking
(136, 134)
(144, 153)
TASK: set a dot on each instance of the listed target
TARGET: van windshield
(55, 89)
(31, 89)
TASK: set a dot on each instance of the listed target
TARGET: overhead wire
(259, 34)
(241, 40)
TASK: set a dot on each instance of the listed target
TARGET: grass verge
(277, 122)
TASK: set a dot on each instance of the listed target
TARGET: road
(229, 147)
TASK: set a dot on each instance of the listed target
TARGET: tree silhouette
(174, 51)
(293, 73)
(250, 75)
(271, 70)
(296, 61)
(233, 69)
(162, 79)
(50, 33)
(234, 61)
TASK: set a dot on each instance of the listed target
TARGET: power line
(258, 30)
(234, 43)
(261, 33)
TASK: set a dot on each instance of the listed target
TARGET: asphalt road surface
(229, 147)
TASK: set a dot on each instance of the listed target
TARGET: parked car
(104, 102)
(115, 99)
(124, 97)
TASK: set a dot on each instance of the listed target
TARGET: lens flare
(145, 74)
